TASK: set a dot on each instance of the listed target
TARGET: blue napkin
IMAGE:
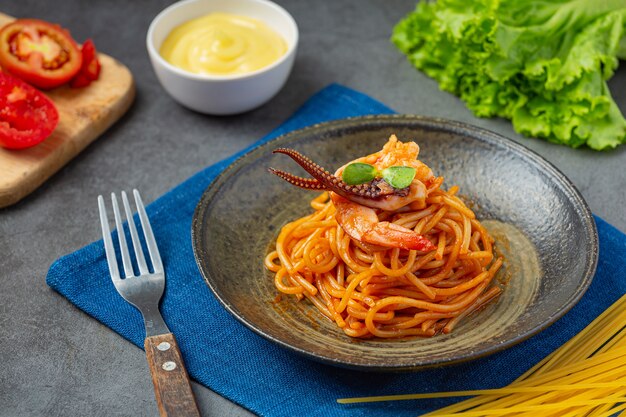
(225, 356)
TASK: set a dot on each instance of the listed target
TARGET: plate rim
(430, 123)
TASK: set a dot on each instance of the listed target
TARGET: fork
(169, 376)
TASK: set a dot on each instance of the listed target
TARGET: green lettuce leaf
(543, 65)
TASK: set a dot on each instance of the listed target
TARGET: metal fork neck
(153, 320)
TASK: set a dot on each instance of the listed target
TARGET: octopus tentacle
(330, 181)
(307, 183)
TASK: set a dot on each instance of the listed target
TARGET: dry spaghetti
(370, 290)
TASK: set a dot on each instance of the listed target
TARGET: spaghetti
(388, 291)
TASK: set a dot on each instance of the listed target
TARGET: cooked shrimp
(361, 223)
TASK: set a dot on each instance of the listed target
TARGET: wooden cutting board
(84, 114)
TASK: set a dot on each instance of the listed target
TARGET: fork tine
(155, 257)
(141, 260)
(108, 242)
(128, 266)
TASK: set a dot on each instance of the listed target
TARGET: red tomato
(80, 81)
(27, 116)
(38, 52)
(90, 69)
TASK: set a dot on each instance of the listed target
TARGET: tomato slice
(40, 53)
(27, 116)
(90, 69)
(80, 81)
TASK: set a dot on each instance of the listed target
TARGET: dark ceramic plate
(539, 220)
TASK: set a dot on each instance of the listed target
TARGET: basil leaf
(358, 173)
(399, 176)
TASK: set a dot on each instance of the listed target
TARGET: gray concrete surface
(57, 361)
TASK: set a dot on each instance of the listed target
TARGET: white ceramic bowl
(227, 94)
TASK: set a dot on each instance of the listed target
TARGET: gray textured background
(57, 361)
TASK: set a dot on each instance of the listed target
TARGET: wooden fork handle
(169, 376)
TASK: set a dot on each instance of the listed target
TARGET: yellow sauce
(222, 44)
